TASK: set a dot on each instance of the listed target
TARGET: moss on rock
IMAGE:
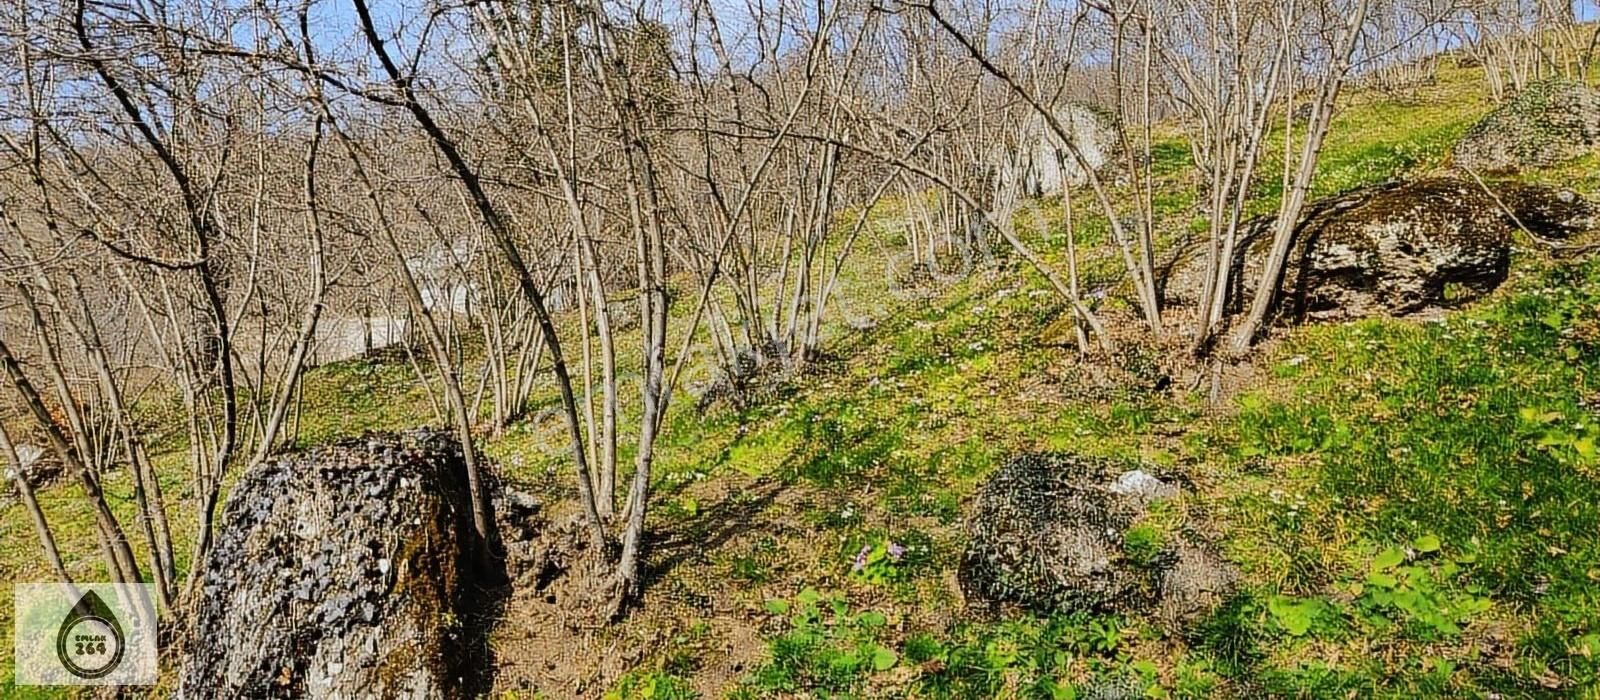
(344, 571)
(1546, 123)
(1403, 247)
(1065, 533)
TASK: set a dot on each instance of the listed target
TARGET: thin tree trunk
(455, 403)
(1294, 200)
(121, 563)
(308, 324)
(508, 248)
(41, 527)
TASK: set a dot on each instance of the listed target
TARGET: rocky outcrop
(1544, 124)
(1039, 163)
(1063, 533)
(35, 468)
(350, 570)
(1400, 248)
(751, 378)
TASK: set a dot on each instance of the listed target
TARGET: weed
(827, 650)
(651, 685)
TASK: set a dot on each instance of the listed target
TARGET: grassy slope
(1413, 503)
(1455, 445)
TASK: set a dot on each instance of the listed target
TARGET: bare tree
(1304, 167)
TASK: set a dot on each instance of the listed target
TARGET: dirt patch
(1145, 364)
(693, 619)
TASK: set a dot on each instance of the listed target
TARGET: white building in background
(445, 286)
(440, 272)
(341, 338)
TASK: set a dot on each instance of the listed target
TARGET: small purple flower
(896, 551)
(861, 558)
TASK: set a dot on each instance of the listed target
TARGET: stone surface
(1123, 687)
(1546, 123)
(38, 469)
(750, 377)
(350, 570)
(1038, 163)
(1140, 484)
(1400, 248)
(1049, 532)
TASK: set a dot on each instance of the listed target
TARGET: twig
(1555, 248)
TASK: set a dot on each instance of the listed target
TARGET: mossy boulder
(1059, 533)
(1546, 123)
(350, 570)
(1403, 247)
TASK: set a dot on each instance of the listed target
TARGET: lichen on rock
(1403, 247)
(1049, 532)
(350, 570)
(1544, 124)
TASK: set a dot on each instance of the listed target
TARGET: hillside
(1412, 502)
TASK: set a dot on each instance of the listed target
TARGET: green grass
(1472, 431)
(1414, 505)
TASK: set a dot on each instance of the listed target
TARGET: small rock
(521, 502)
(1140, 484)
(1544, 124)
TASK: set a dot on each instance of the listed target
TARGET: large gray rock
(1544, 124)
(1063, 533)
(347, 571)
(1038, 162)
(1400, 248)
